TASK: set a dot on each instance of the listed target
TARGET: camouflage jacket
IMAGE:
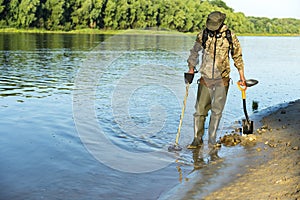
(216, 64)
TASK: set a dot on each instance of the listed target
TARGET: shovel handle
(243, 88)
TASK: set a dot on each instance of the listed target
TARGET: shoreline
(129, 31)
(278, 177)
(266, 168)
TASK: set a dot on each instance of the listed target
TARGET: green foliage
(96, 15)
(220, 4)
(81, 13)
(53, 17)
(3, 11)
(275, 26)
(179, 15)
(2, 7)
(27, 11)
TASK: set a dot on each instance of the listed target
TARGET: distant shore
(128, 31)
(279, 177)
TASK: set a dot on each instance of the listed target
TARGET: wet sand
(264, 167)
(279, 176)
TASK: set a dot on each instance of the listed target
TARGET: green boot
(197, 143)
(198, 132)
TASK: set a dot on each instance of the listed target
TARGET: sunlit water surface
(58, 91)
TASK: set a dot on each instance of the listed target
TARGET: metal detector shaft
(182, 112)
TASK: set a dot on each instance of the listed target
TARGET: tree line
(180, 15)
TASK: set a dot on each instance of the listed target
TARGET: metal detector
(188, 78)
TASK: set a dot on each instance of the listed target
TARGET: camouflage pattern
(220, 67)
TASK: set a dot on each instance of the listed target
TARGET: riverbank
(264, 167)
(127, 31)
(279, 177)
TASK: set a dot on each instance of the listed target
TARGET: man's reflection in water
(199, 157)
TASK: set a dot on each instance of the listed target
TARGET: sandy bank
(279, 177)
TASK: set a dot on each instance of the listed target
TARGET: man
(216, 41)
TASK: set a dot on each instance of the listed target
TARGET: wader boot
(212, 130)
(217, 106)
(202, 107)
(198, 132)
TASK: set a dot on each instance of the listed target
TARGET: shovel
(188, 78)
(247, 125)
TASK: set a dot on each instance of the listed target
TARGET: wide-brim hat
(215, 20)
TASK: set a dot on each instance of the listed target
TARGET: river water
(92, 116)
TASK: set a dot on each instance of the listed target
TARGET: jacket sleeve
(237, 53)
(193, 58)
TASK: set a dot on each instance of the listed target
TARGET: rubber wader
(214, 99)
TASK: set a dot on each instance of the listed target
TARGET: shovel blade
(247, 127)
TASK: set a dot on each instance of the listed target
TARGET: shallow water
(92, 116)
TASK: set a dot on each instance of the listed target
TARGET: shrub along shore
(179, 15)
(128, 31)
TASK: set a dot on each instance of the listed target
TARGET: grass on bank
(150, 31)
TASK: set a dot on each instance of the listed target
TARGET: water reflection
(40, 65)
(49, 42)
(35, 74)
